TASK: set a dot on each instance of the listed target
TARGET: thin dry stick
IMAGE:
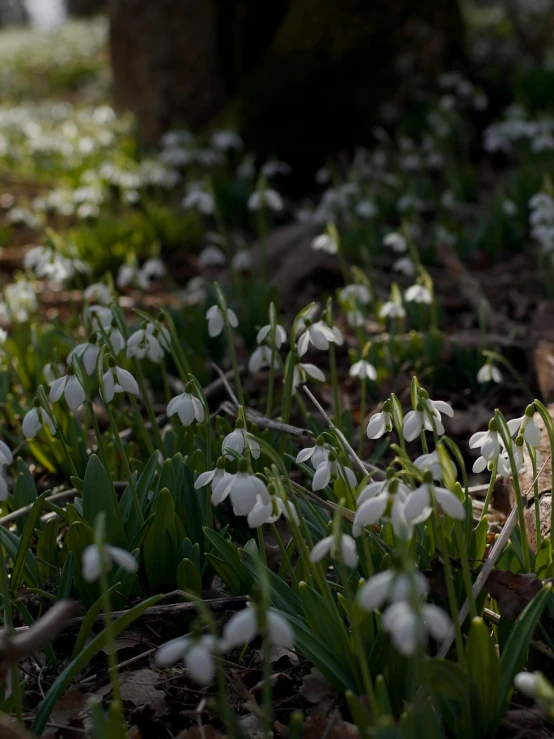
(492, 559)
(364, 466)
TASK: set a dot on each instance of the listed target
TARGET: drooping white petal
(31, 424)
(200, 664)
(127, 381)
(203, 479)
(304, 455)
(532, 434)
(369, 513)
(480, 465)
(74, 393)
(91, 565)
(376, 426)
(417, 502)
(348, 551)
(322, 476)
(6, 456)
(412, 425)
(171, 652)
(321, 549)
(375, 591)
(280, 633)
(450, 504)
(122, 558)
(109, 385)
(239, 629)
(436, 621)
(56, 391)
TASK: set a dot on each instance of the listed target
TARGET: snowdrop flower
(129, 274)
(88, 353)
(418, 505)
(380, 423)
(92, 561)
(527, 427)
(432, 463)
(98, 292)
(405, 266)
(396, 241)
(211, 256)
(489, 372)
(243, 489)
(153, 268)
(346, 552)
(330, 470)
(118, 380)
(238, 440)
(143, 344)
(265, 198)
(509, 208)
(51, 372)
(487, 441)
(70, 387)
(197, 654)
(35, 419)
(243, 626)
(242, 260)
(317, 334)
(355, 293)
(383, 500)
(273, 167)
(416, 421)
(187, 406)
(100, 315)
(226, 140)
(303, 371)
(316, 454)
(216, 476)
(363, 370)
(200, 200)
(390, 309)
(265, 333)
(418, 294)
(408, 629)
(6, 458)
(261, 357)
(366, 209)
(216, 322)
(354, 318)
(264, 512)
(115, 339)
(391, 586)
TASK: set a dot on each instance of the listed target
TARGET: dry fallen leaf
(315, 687)
(142, 687)
(512, 592)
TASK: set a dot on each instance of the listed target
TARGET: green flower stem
(284, 555)
(549, 426)
(8, 626)
(59, 433)
(335, 384)
(139, 420)
(261, 544)
(533, 456)
(521, 516)
(262, 235)
(130, 476)
(149, 410)
(364, 668)
(269, 403)
(287, 395)
(466, 573)
(233, 356)
(362, 416)
(107, 607)
(97, 433)
(490, 490)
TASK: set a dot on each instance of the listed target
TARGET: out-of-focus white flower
(318, 334)
(226, 140)
(265, 333)
(391, 586)
(329, 470)
(304, 370)
(100, 316)
(346, 551)
(273, 167)
(265, 198)
(216, 321)
(92, 561)
(34, 420)
(211, 256)
(197, 654)
(418, 294)
(405, 266)
(129, 274)
(199, 200)
(242, 260)
(408, 628)
(187, 406)
(317, 454)
(6, 458)
(98, 292)
(509, 208)
(70, 387)
(363, 370)
(325, 242)
(238, 440)
(88, 353)
(51, 372)
(153, 268)
(432, 463)
(356, 294)
(243, 626)
(261, 357)
(142, 343)
(390, 309)
(396, 241)
(118, 380)
(489, 372)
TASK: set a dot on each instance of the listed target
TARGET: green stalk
(107, 608)
(149, 410)
(533, 456)
(335, 384)
(362, 417)
(140, 422)
(8, 626)
(490, 488)
(466, 573)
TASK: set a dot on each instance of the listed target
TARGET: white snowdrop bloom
(242, 260)
(34, 420)
(118, 380)
(391, 586)
(325, 242)
(339, 336)
(197, 654)
(227, 140)
(391, 309)
(379, 423)
(355, 318)
(489, 373)
(436, 407)
(265, 333)
(199, 200)
(322, 176)
(346, 552)
(509, 208)
(487, 441)
(316, 454)
(432, 463)
(265, 198)
(329, 470)
(366, 209)
(304, 370)
(396, 241)
(91, 563)
(274, 167)
(355, 293)
(383, 500)
(143, 343)
(416, 421)
(504, 467)
(153, 268)
(318, 334)
(51, 372)
(70, 387)
(187, 407)
(115, 339)
(527, 427)
(238, 440)
(243, 489)
(129, 274)
(216, 321)
(363, 370)
(264, 512)
(214, 477)
(405, 266)
(211, 256)
(261, 357)
(408, 629)
(418, 294)
(88, 353)
(98, 292)
(243, 627)
(100, 316)
(418, 504)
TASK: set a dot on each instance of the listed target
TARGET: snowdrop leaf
(88, 622)
(451, 689)
(99, 496)
(47, 549)
(24, 552)
(161, 544)
(230, 556)
(66, 578)
(25, 492)
(79, 536)
(188, 578)
(483, 666)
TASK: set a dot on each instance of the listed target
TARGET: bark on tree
(297, 77)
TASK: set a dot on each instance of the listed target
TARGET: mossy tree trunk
(297, 77)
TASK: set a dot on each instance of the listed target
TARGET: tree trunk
(299, 78)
